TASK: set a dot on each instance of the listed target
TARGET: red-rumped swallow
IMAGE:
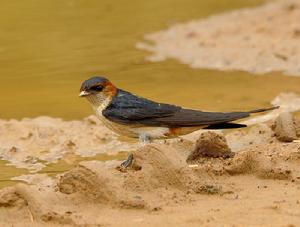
(133, 116)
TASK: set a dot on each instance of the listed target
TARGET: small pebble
(285, 129)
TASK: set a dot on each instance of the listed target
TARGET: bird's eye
(97, 88)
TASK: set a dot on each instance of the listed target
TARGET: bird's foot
(128, 162)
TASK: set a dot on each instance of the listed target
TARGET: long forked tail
(263, 109)
(228, 125)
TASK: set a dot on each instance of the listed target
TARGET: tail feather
(226, 125)
(190, 118)
(263, 109)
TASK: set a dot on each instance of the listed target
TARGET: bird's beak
(84, 93)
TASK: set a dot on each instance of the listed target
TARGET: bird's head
(98, 90)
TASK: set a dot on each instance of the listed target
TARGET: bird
(130, 115)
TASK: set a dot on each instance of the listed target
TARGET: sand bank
(257, 40)
(258, 186)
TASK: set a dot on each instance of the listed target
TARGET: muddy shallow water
(48, 48)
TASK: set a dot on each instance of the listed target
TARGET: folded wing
(127, 108)
(188, 118)
(130, 109)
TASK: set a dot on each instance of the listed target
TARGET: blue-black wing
(127, 108)
(130, 109)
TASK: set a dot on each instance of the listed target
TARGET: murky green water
(7, 172)
(47, 48)
(71, 161)
(68, 162)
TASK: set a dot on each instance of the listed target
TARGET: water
(7, 172)
(71, 161)
(47, 48)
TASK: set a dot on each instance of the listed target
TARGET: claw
(128, 162)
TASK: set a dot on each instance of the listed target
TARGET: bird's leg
(144, 138)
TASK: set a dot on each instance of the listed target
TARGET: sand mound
(274, 160)
(9, 197)
(28, 204)
(258, 164)
(160, 167)
(210, 144)
(285, 127)
(85, 181)
(162, 171)
(239, 140)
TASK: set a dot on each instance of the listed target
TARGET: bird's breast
(133, 130)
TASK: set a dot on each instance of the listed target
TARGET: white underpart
(145, 134)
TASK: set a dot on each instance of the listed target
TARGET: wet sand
(257, 40)
(258, 186)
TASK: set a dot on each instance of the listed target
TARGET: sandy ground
(249, 177)
(258, 186)
(257, 40)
